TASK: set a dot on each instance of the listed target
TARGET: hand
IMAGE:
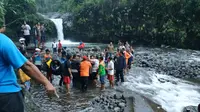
(50, 89)
(71, 76)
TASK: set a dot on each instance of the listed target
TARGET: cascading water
(59, 26)
(171, 93)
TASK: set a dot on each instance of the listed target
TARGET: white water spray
(59, 26)
(171, 93)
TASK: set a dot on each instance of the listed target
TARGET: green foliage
(14, 12)
(149, 22)
(45, 6)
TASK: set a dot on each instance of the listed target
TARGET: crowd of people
(77, 67)
(11, 99)
(73, 68)
(37, 32)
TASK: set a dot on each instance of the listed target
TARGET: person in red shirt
(59, 46)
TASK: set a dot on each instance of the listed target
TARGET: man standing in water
(85, 67)
(43, 35)
(26, 28)
(54, 47)
(10, 92)
(67, 73)
(95, 66)
(120, 67)
(110, 49)
(110, 69)
(59, 46)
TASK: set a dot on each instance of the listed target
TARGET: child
(102, 72)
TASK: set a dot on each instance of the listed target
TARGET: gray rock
(116, 109)
(122, 105)
(190, 109)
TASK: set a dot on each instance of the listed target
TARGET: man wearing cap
(85, 67)
(10, 92)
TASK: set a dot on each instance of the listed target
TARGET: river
(173, 94)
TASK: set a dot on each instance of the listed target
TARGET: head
(2, 29)
(111, 43)
(85, 58)
(121, 53)
(24, 22)
(69, 57)
(109, 59)
(92, 57)
(101, 58)
(47, 51)
(59, 41)
(37, 50)
(74, 56)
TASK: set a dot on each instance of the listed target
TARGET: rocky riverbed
(149, 81)
(175, 62)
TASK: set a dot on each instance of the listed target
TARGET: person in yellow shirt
(25, 79)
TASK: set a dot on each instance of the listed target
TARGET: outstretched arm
(32, 71)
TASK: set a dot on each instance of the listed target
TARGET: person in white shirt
(110, 69)
(95, 66)
(26, 29)
(54, 46)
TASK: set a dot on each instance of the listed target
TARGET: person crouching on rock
(110, 69)
(67, 73)
(85, 67)
(102, 72)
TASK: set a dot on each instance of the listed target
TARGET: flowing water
(59, 26)
(171, 93)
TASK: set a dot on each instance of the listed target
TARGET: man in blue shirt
(120, 67)
(10, 59)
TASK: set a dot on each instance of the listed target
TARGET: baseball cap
(85, 57)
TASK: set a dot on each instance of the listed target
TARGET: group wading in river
(79, 69)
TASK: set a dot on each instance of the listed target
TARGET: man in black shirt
(67, 73)
(75, 63)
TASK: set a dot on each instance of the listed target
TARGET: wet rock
(190, 109)
(123, 97)
(116, 109)
(122, 105)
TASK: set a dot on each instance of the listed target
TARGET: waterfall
(59, 26)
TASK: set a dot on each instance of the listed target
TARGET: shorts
(93, 76)
(102, 79)
(66, 79)
(11, 102)
(111, 77)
